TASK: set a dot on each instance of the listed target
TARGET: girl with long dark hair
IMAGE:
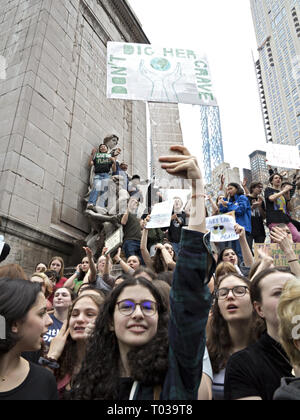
(237, 201)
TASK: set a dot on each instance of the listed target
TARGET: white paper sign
(161, 215)
(283, 156)
(221, 228)
(1, 243)
(158, 74)
(114, 241)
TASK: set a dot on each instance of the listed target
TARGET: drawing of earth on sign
(160, 64)
(163, 79)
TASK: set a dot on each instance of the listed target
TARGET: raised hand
(183, 165)
(281, 237)
(88, 251)
(265, 257)
(239, 230)
(58, 343)
(117, 257)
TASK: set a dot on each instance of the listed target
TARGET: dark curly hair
(100, 373)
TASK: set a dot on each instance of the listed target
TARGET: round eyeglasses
(238, 291)
(127, 307)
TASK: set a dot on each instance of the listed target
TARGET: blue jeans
(100, 186)
(132, 247)
(176, 247)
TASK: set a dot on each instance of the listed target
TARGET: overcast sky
(224, 31)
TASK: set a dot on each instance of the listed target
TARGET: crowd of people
(183, 318)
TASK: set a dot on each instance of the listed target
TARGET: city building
(277, 27)
(258, 165)
(165, 131)
(53, 112)
(247, 175)
(230, 174)
(212, 144)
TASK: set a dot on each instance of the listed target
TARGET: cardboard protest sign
(114, 241)
(158, 74)
(221, 228)
(276, 253)
(283, 156)
(161, 215)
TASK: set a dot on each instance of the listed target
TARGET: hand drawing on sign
(163, 84)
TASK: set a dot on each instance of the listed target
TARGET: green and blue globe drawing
(160, 64)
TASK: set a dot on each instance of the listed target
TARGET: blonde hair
(222, 270)
(46, 282)
(288, 310)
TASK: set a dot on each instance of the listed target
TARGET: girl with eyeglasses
(135, 352)
(255, 372)
(233, 325)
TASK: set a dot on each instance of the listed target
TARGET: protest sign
(276, 253)
(221, 228)
(161, 215)
(283, 156)
(1, 243)
(158, 74)
(114, 241)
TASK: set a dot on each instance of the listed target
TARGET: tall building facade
(53, 112)
(277, 27)
(165, 129)
(258, 165)
(213, 154)
(230, 174)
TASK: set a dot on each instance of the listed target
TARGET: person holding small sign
(278, 206)
(240, 204)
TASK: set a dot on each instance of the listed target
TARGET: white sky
(224, 31)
